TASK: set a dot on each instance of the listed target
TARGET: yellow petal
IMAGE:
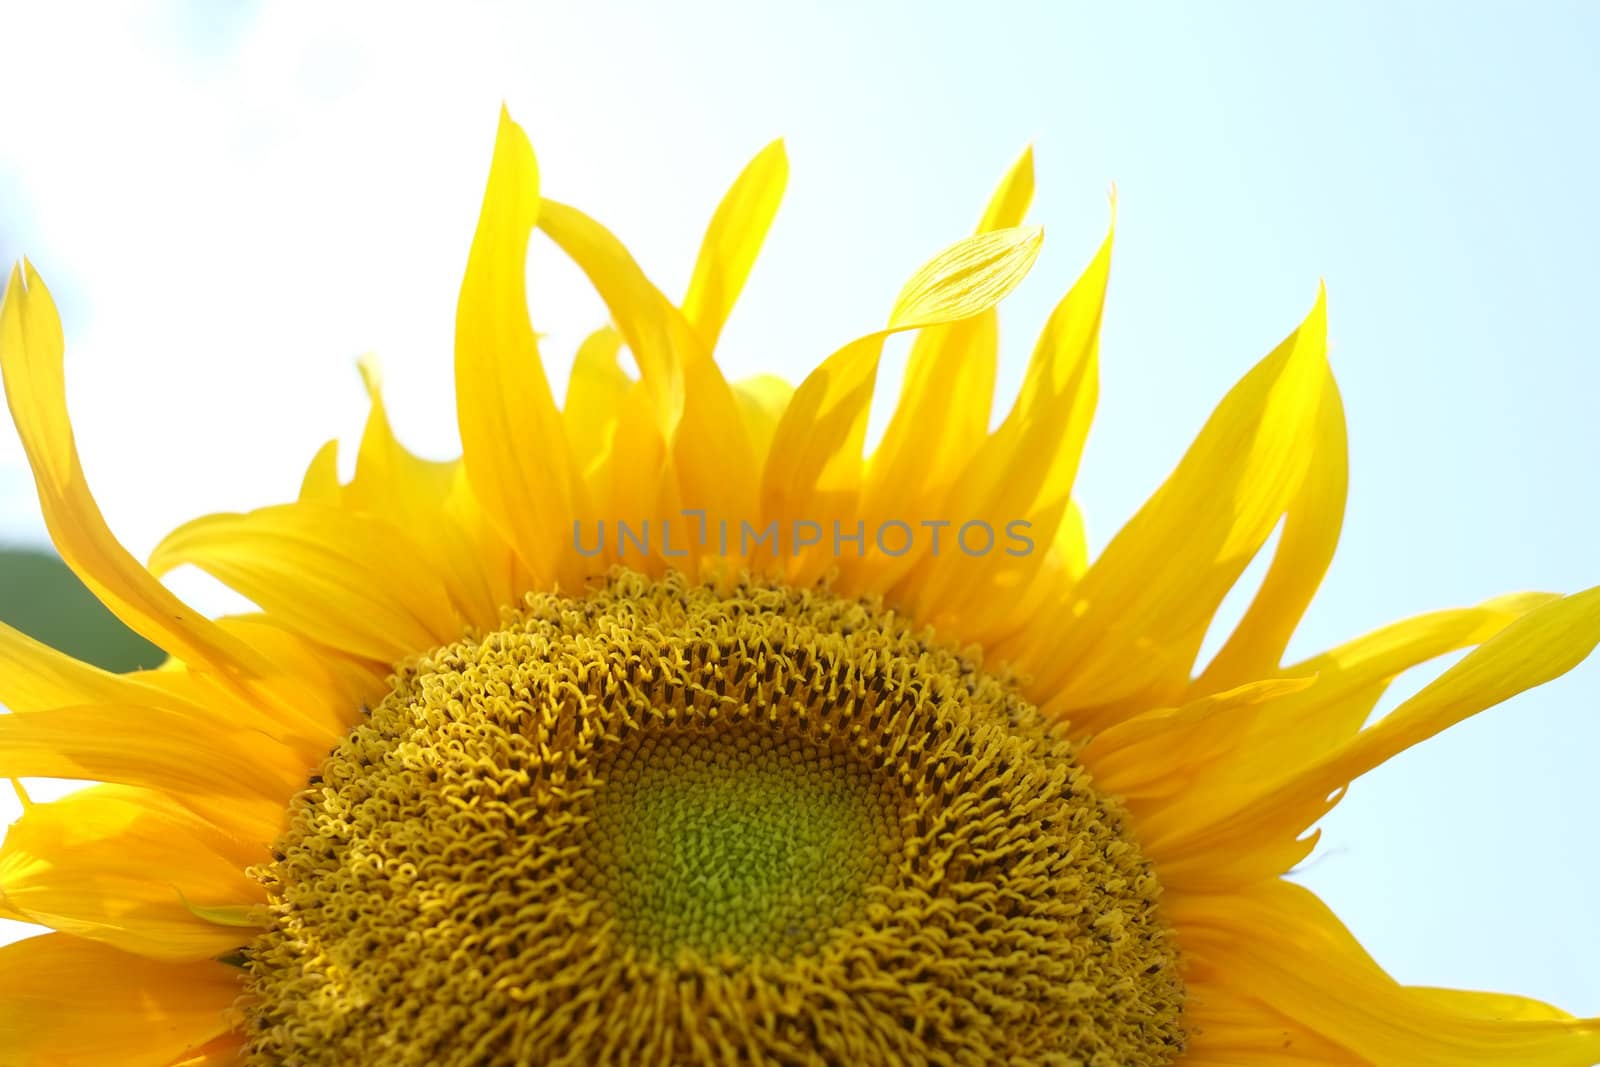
(66, 1002)
(654, 330)
(1157, 755)
(713, 463)
(940, 421)
(814, 464)
(1072, 542)
(389, 480)
(306, 700)
(1541, 645)
(321, 482)
(943, 412)
(1143, 608)
(1048, 594)
(762, 400)
(1263, 833)
(500, 566)
(36, 677)
(1061, 383)
(315, 692)
(344, 579)
(968, 278)
(1025, 470)
(225, 1051)
(639, 479)
(1261, 940)
(1505, 1006)
(1305, 548)
(814, 468)
(1235, 1027)
(150, 747)
(732, 242)
(594, 397)
(596, 407)
(128, 867)
(512, 441)
(411, 494)
(1297, 730)
(1009, 202)
(31, 352)
(718, 469)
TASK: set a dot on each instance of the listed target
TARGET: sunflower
(665, 726)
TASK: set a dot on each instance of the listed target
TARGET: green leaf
(41, 597)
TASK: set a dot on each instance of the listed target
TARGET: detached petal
(966, 279)
(1025, 470)
(815, 465)
(942, 416)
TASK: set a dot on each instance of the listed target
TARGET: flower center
(662, 823)
(734, 838)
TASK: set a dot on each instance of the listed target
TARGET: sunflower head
(727, 803)
(668, 726)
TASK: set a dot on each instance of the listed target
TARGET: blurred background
(232, 202)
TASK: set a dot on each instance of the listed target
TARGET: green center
(737, 840)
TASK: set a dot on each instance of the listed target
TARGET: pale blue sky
(231, 211)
